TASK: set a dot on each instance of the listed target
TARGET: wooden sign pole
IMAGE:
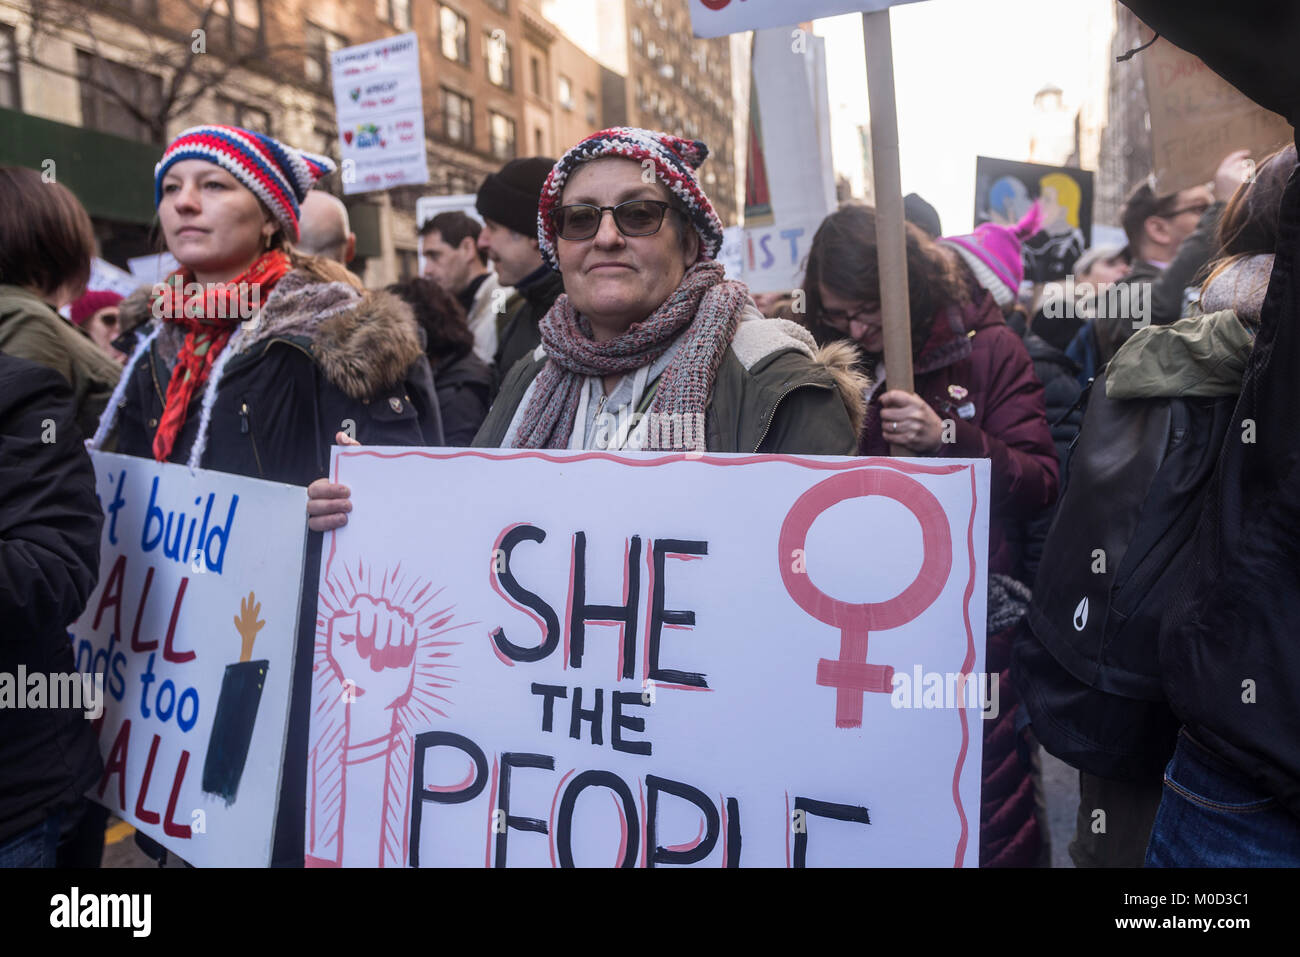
(891, 244)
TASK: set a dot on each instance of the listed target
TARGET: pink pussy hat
(993, 254)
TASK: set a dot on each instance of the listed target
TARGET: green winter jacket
(1203, 356)
(775, 392)
(30, 329)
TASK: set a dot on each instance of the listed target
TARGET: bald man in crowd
(323, 223)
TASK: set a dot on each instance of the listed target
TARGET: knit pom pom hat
(675, 161)
(278, 175)
(993, 253)
(90, 303)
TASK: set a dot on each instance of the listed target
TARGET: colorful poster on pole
(716, 18)
(380, 108)
(193, 627)
(1006, 189)
(1198, 118)
(588, 662)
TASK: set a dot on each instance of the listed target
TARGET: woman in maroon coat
(976, 397)
(969, 367)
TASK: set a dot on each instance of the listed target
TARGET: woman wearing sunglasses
(650, 347)
(649, 326)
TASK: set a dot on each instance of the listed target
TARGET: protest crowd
(586, 308)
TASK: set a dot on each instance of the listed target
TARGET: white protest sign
(153, 268)
(193, 625)
(591, 660)
(380, 108)
(794, 187)
(732, 253)
(427, 207)
(716, 18)
(107, 277)
(774, 256)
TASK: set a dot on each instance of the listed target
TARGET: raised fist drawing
(371, 648)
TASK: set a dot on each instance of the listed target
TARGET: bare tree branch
(166, 53)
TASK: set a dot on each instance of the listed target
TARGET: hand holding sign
(907, 420)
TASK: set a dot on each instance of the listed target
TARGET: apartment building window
(564, 91)
(8, 69)
(535, 74)
(638, 40)
(139, 8)
(502, 5)
(496, 53)
(457, 117)
(591, 109)
(453, 32)
(233, 113)
(395, 12)
(502, 131)
(106, 89)
(539, 143)
(235, 25)
(321, 45)
(326, 130)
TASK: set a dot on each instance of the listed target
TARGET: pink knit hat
(90, 303)
(993, 254)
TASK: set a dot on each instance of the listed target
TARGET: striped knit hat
(675, 161)
(278, 175)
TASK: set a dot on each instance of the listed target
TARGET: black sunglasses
(1199, 209)
(638, 217)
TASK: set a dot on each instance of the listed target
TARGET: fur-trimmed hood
(364, 342)
(758, 337)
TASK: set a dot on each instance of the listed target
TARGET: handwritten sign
(105, 276)
(193, 626)
(380, 108)
(589, 662)
(716, 18)
(1198, 118)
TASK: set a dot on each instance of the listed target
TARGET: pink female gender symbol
(851, 675)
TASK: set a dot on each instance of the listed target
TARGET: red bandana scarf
(209, 319)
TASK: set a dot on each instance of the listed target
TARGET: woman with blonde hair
(257, 355)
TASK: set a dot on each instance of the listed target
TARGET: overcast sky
(966, 72)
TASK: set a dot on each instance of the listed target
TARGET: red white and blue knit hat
(278, 175)
(675, 161)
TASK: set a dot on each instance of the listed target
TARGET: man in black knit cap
(508, 201)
